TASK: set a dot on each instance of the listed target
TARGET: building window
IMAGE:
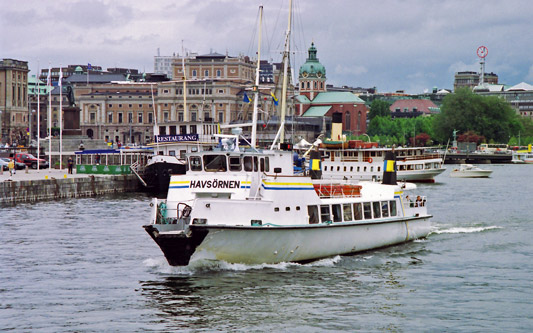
(221, 117)
(194, 73)
(180, 116)
(130, 117)
(92, 117)
(206, 73)
(120, 117)
(347, 124)
(150, 117)
(193, 116)
(140, 117)
(165, 116)
(110, 118)
(219, 73)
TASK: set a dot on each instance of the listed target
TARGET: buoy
(370, 160)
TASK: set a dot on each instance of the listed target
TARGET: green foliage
(400, 131)
(488, 116)
(379, 108)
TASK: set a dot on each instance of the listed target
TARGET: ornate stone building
(14, 114)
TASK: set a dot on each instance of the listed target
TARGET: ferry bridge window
(393, 208)
(196, 163)
(367, 209)
(256, 164)
(324, 213)
(248, 165)
(337, 213)
(376, 207)
(385, 208)
(235, 163)
(347, 210)
(312, 212)
(215, 163)
(357, 211)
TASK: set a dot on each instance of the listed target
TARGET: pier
(476, 158)
(49, 184)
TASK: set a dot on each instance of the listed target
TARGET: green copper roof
(302, 99)
(337, 97)
(316, 111)
(312, 67)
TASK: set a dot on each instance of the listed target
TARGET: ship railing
(418, 157)
(415, 207)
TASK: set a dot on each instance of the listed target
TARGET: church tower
(312, 75)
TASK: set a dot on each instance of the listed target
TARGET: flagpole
(256, 87)
(38, 116)
(49, 83)
(60, 117)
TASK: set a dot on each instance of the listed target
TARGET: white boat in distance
(248, 207)
(523, 156)
(414, 164)
(470, 171)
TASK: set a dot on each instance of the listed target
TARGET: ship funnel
(315, 165)
(389, 168)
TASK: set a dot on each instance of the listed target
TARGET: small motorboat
(469, 171)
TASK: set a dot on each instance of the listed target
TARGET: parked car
(30, 160)
(18, 165)
(3, 164)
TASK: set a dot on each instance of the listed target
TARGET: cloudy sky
(413, 45)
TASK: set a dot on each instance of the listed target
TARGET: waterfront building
(472, 79)
(14, 114)
(520, 96)
(410, 108)
(315, 101)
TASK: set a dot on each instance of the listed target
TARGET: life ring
(370, 160)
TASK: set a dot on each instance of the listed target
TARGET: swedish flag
(246, 99)
(274, 98)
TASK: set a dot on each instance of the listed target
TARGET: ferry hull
(270, 245)
(157, 176)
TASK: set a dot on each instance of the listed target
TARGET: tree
(379, 108)
(464, 111)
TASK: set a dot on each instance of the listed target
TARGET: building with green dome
(312, 75)
(315, 101)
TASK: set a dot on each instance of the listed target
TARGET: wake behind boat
(247, 207)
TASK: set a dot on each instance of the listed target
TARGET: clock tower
(312, 76)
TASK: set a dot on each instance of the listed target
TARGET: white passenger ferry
(414, 164)
(248, 207)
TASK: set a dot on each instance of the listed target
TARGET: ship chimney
(336, 126)
(389, 168)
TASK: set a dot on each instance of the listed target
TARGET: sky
(410, 45)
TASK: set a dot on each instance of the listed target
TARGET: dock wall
(46, 189)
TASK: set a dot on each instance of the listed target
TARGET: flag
(246, 99)
(49, 77)
(274, 98)
(60, 77)
(89, 66)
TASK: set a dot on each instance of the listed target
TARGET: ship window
(256, 164)
(312, 212)
(357, 211)
(379, 169)
(256, 223)
(297, 207)
(338, 168)
(367, 208)
(215, 163)
(196, 163)
(337, 213)
(344, 169)
(234, 163)
(324, 213)
(364, 169)
(358, 169)
(428, 166)
(262, 164)
(371, 169)
(393, 208)
(248, 166)
(351, 169)
(347, 208)
(385, 208)
(288, 209)
(376, 208)
(276, 209)
(199, 221)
